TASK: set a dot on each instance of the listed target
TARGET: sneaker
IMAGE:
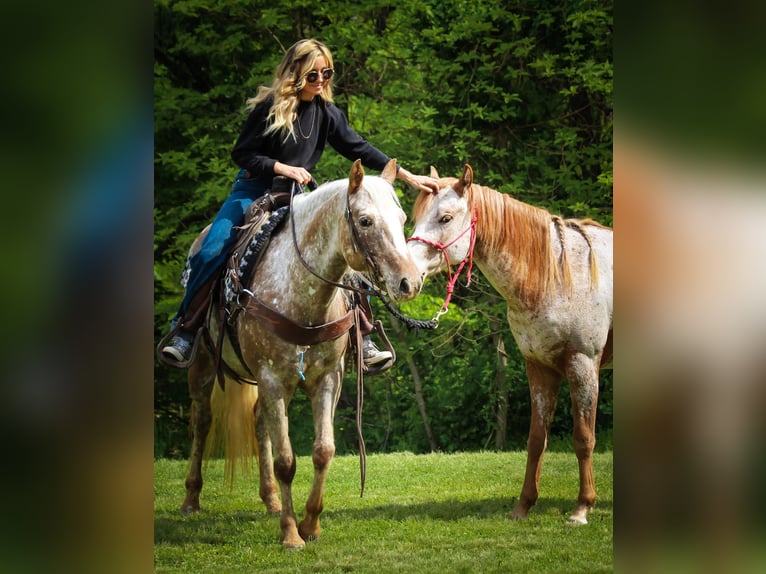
(180, 347)
(371, 355)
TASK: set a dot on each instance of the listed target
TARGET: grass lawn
(439, 513)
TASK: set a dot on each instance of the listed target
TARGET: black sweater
(318, 123)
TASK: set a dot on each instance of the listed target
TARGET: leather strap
(291, 332)
(360, 401)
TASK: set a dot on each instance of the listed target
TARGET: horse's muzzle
(407, 288)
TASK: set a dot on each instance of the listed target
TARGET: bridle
(356, 243)
(468, 259)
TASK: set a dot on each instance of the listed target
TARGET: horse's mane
(510, 226)
(523, 230)
(507, 226)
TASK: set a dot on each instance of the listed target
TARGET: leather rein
(356, 243)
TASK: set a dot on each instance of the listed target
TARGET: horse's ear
(356, 177)
(434, 173)
(389, 172)
(465, 180)
(467, 175)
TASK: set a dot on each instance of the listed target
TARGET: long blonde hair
(289, 80)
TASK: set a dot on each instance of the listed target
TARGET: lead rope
(453, 277)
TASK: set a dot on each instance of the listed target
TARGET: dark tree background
(522, 92)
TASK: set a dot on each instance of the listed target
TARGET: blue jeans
(221, 237)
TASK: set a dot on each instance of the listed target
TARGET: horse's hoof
(186, 510)
(274, 508)
(579, 515)
(577, 519)
(293, 546)
(309, 531)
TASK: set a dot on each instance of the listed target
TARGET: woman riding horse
(288, 127)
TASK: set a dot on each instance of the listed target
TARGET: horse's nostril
(404, 286)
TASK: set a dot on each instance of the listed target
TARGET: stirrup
(170, 361)
(379, 368)
(384, 366)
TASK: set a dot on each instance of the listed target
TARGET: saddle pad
(252, 242)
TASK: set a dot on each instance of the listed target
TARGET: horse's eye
(445, 218)
(365, 221)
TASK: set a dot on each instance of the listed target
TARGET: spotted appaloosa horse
(556, 277)
(342, 225)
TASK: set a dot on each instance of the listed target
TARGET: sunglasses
(313, 76)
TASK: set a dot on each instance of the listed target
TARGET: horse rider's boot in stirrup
(371, 355)
(180, 347)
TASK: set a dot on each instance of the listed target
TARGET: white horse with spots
(295, 334)
(556, 278)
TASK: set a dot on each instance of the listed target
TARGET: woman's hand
(421, 182)
(299, 174)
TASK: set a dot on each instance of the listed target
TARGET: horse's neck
(317, 217)
(496, 271)
(283, 279)
(491, 255)
(513, 240)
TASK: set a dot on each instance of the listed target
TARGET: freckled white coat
(282, 282)
(556, 278)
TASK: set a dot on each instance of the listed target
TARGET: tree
(523, 93)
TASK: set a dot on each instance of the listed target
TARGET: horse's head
(443, 223)
(376, 224)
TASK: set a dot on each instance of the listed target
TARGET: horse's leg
(274, 412)
(582, 373)
(544, 386)
(323, 404)
(268, 484)
(201, 377)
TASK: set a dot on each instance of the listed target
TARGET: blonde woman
(287, 129)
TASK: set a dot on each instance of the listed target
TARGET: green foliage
(522, 93)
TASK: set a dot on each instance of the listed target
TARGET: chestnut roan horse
(355, 223)
(556, 277)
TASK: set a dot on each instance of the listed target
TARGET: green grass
(439, 513)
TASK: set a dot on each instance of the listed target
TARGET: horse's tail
(233, 427)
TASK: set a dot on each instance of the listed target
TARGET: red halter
(468, 258)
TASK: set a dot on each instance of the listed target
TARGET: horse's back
(576, 315)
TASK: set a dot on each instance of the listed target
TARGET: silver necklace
(313, 120)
